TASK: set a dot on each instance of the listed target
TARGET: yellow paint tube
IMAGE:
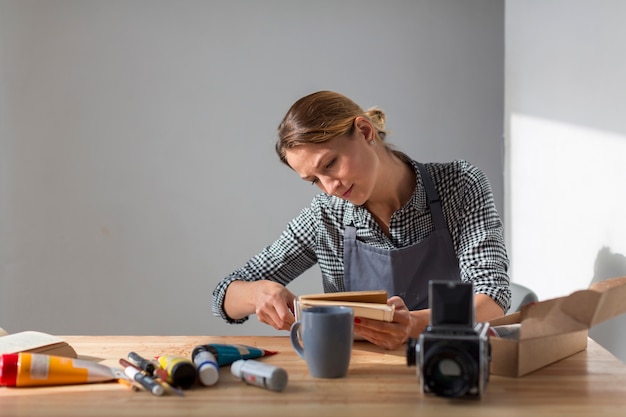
(36, 369)
(181, 372)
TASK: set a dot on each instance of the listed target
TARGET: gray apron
(406, 271)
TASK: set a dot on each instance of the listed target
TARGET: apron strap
(433, 198)
(349, 233)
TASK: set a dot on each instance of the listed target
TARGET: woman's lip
(347, 193)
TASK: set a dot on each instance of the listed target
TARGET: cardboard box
(555, 329)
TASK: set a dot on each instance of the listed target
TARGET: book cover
(366, 304)
(36, 342)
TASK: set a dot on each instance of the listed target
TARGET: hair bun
(377, 116)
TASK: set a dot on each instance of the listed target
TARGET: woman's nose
(331, 185)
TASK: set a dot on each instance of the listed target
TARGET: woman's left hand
(392, 335)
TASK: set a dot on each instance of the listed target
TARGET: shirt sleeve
(282, 261)
(480, 244)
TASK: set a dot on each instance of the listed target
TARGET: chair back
(520, 296)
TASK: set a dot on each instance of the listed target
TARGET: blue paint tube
(225, 354)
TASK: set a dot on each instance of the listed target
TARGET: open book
(36, 342)
(366, 304)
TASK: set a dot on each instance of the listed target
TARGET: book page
(33, 341)
(376, 311)
(377, 296)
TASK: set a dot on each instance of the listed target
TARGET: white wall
(566, 148)
(136, 155)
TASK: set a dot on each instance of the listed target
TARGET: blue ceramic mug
(323, 338)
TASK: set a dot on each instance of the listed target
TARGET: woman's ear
(364, 128)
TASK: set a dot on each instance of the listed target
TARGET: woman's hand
(392, 335)
(411, 323)
(274, 305)
(270, 301)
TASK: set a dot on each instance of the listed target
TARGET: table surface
(379, 382)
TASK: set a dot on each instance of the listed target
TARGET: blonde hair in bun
(321, 116)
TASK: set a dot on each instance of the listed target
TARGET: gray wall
(566, 142)
(136, 139)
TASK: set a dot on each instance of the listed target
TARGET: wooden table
(379, 383)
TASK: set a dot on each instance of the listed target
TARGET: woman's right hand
(274, 305)
(270, 301)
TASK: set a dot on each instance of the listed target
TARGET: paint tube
(260, 374)
(227, 354)
(36, 369)
(208, 369)
(181, 372)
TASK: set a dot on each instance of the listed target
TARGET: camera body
(453, 354)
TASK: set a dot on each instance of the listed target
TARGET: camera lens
(449, 371)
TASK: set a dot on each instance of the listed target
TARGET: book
(36, 342)
(366, 304)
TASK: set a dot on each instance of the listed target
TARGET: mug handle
(295, 340)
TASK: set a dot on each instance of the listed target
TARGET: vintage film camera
(453, 353)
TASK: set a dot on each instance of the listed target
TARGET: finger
(364, 323)
(286, 322)
(384, 341)
(279, 318)
(387, 335)
(397, 302)
(266, 318)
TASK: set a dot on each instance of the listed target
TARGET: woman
(383, 221)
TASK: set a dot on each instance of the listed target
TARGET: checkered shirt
(316, 236)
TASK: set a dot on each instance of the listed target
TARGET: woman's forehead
(308, 158)
(307, 154)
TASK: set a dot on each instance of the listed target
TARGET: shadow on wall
(610, 334)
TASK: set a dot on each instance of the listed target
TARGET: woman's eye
(314, 182)
(330, 164)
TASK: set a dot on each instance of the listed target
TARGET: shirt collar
(359, 216)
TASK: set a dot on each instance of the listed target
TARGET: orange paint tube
(35, 369)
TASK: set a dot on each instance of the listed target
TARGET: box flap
(512, 318)
(578, 311)
(612, 301)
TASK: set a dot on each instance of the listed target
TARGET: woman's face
(345, 166)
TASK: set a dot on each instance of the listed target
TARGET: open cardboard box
(555, 329)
